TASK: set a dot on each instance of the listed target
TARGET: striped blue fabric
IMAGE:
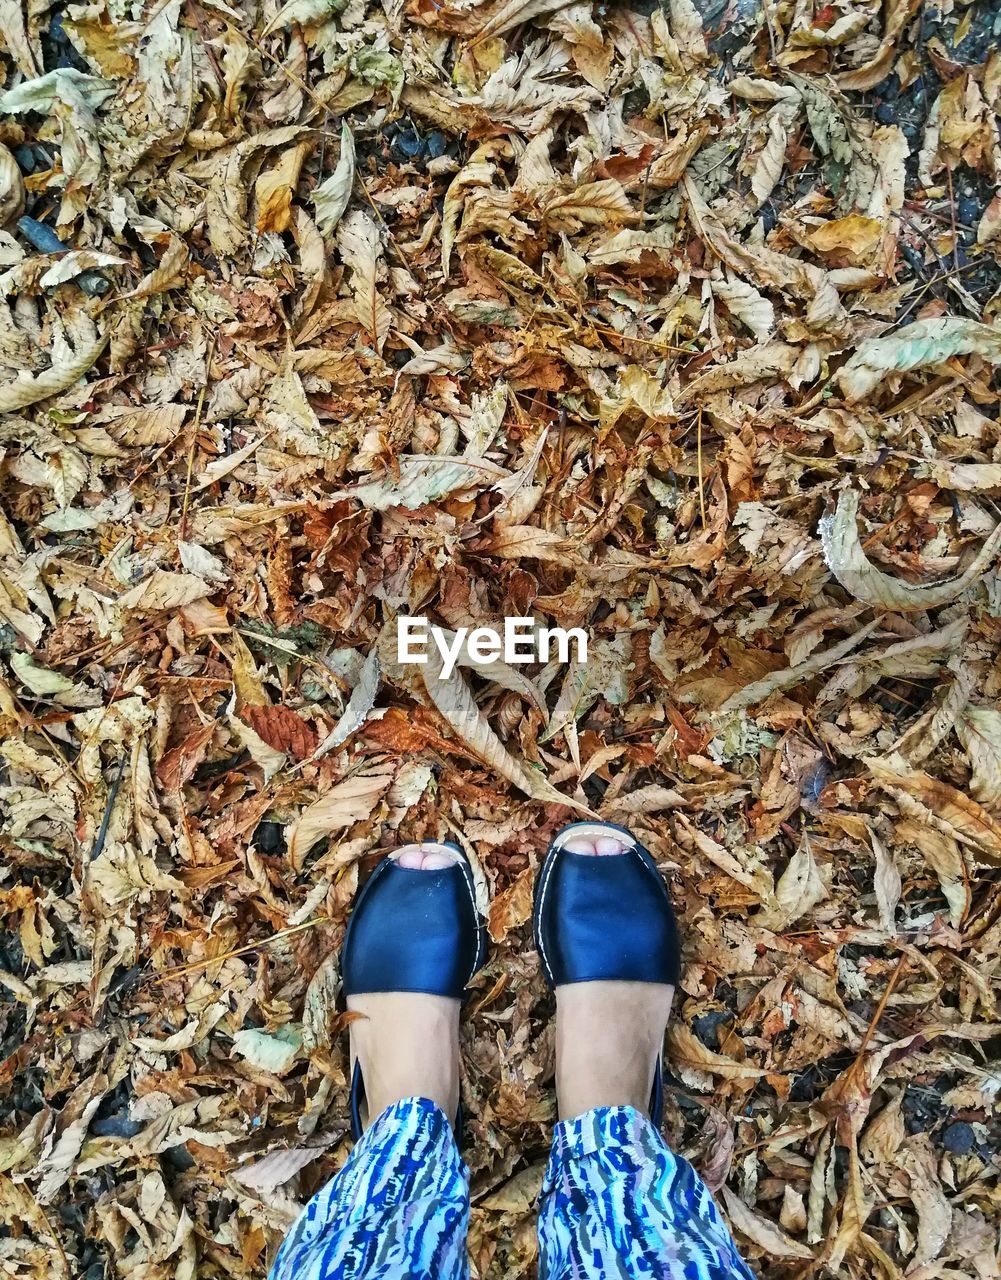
(616, 1204)
(398, 1210)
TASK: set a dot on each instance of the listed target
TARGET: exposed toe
(598, 838)
(438, 861)
(425, 857)
(602, 846)
(579, 844)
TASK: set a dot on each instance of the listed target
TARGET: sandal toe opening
(591, 831)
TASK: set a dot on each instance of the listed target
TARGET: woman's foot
(609, 1035)
(408, 1043)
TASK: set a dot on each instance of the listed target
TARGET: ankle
(423, 1077)
(386, 1093)
(593, 1072)
(408, 1047)
(609, 1040)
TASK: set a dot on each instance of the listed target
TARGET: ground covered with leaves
(678, 325)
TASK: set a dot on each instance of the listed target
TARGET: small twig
(698, 448)
(38, 726)
(59, 1244)
(198, 15)
(155, 458)
(952, 218)
(195, 965)
(635, 34)
(646, 184)
(883, 529)
(947, 273)
(925, 212)
(112, 796)
(870, 1030)
(92, 737)
(647, 342)
(771, 30)
(888, 693)
(182, 524)
(323, 143)
(928, 284)
(76, 658)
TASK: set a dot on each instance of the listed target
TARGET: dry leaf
(923, 344)
(271, 1053)
(799, 888)
(69, 362)
(749, 306)
(277, 1167)
(275, 188)
(979, 730)
(346, 803)
(58, 1162)
(847, 560)
(511, 908)
(519, 1194)
(950, 810)
(355, 713)
(420, 480)
(928, 1198)
(789, 677)
(686, 1052)
(887, 884)
(771, 1238)
(593, 203)
(455, 703)
(360, 246)
(855, 235)
(332, 196)
(164, 590)
(283, 730)
(768, 169)
(320, 1004)
(884, 1134)
(943, 855)
(754, 876)
(989, 227)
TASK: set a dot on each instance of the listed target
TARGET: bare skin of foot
(408, 1043)
(609, 1035)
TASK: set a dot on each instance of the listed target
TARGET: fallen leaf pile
(677, 325)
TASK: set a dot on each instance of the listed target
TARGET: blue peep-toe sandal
(412, 930)
(606, 919)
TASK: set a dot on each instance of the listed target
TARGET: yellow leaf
(855, 235)
(275, 188)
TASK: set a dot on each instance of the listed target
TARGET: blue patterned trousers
(616, 1205)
